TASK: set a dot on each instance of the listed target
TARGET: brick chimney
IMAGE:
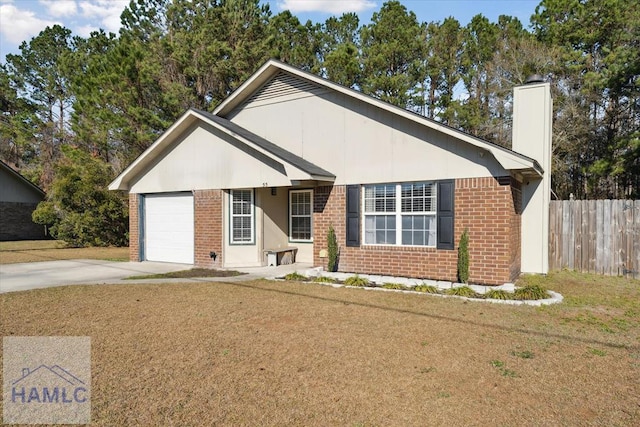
(532, 115)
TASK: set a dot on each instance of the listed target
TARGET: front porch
(268, 225)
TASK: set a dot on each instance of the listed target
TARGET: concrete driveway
(33, 275)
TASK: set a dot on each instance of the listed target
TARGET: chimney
(532, 114)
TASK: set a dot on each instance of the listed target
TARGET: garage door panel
(169, 231)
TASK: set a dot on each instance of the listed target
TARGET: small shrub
(597, 352)
(463, 257)
(430, 289)
(502, 368)
(463, 291)
(295, 276)
(332, 249)
(498, 294)
(531, 292)
(523, 354)
(324, 279)
(497, 364)
(394, 286)
(356, 281)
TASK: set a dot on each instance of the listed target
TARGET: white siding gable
(203, 157)
(356, 141)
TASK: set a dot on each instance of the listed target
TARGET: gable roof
(507, 158)
(21, 178)
(276, 150)
(241, 135)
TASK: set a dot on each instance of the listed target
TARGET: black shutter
(353, 215)
(445, 196)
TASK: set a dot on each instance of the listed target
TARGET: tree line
(74, 106)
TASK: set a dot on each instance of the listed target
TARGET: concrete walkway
(35, 275)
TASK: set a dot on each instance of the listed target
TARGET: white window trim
(398, 215)
(252, 216)
(291, 239)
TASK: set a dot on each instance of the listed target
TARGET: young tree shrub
(463, 257)
(79, 208)
(332, 249)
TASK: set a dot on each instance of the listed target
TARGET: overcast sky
(21, 20)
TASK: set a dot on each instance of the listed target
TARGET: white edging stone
(554, 298)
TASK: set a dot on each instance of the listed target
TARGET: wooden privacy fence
(597, 236)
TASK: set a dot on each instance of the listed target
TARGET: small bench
(280, 256)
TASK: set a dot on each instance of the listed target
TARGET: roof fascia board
(508, 159)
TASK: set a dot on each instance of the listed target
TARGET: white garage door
(168, 233)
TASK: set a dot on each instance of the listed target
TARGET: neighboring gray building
(18, 199)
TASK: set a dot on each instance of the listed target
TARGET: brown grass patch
(285, 353)
(52, 250)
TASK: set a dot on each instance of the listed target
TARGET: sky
(21, 20)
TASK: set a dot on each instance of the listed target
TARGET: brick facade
(17, 224)
(208, 227)
(134, 224)
(490, 209)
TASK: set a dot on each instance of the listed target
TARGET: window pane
(418, 197)
(430, 226)
(416, 203)
(301, 228)
(369, 205)
(390, 205)
(370, 230)
(242, 216)
(379, 229)
(379, 198)
(300, 215)
(407, 222)
(391, 237)
(418, 230)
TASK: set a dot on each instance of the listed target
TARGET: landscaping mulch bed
(284, 353)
